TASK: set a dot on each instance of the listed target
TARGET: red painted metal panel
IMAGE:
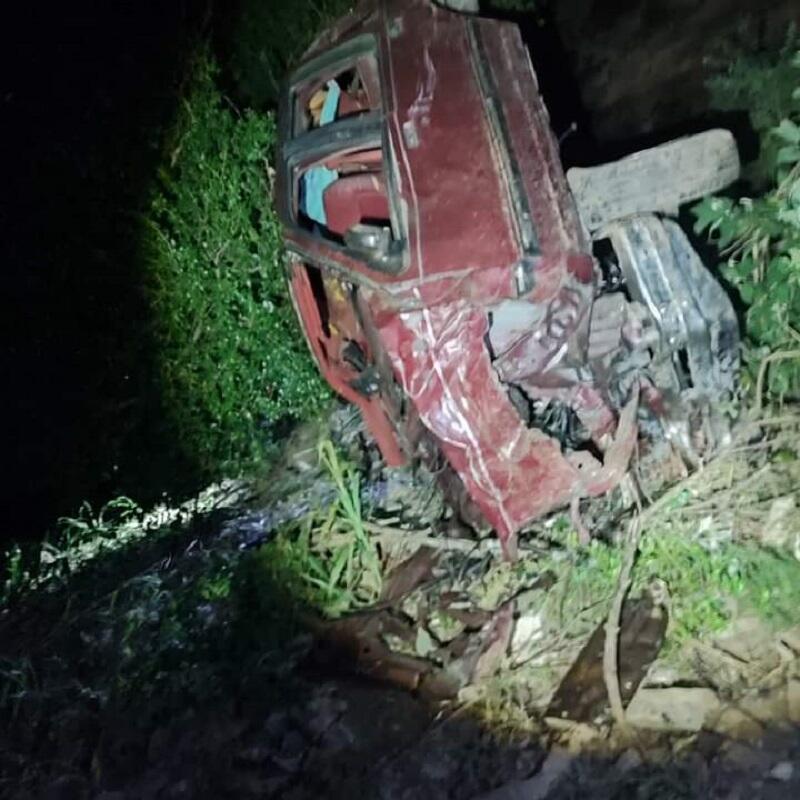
(336, 374)
(512, 472)
(457, 204)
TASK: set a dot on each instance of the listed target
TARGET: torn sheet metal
(656, 180)
(691, 311)
(513, 473)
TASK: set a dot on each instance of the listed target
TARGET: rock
(583, 738)
(338, 738)
(293, 750)
(555, 767)
(662, 675)
(746, 757)
(791, 639)
(325, 708)
(672, 709)
(733, 722)
(782, 771)
(277, 723)
(749, 639)
(793, 701)
(780, 527)
(628, 761)
(529, 631)
(766, 707)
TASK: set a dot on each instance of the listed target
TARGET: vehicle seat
(355, 198)
(349, 104)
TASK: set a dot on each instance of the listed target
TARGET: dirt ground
(157, 672)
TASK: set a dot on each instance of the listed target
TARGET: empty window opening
(345, 195)
(345, 92)
(612, 278)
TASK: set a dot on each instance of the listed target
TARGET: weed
(17, 576)
(708, 580)
(330, 549)
(706, 585)
(763, 85)
(77, 541)
(214, 588)
(82, 537)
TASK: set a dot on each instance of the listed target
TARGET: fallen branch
(401, 536)
(611, 648)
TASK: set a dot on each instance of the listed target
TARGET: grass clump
(328, 556)
(714, 540)
(77, 541)
(232, 361)
(707, 587)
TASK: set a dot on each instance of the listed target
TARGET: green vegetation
(232, 360)
(707, 584)
(327, 558)
(760, 236)
(233, 368)
(184, 632)
(78, 540)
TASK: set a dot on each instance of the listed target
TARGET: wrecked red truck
(515, 328)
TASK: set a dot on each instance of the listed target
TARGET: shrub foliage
(233, 362)
(760, 236)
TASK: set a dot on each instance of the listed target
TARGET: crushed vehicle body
(515, 330)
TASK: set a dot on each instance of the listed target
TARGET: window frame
(348, 134)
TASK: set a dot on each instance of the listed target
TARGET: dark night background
(87, 90)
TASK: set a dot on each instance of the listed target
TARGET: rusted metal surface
(470, 321)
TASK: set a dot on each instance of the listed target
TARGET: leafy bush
(763, 85)
(760, 236)
(233, 363)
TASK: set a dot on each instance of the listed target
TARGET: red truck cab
(444, 278)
